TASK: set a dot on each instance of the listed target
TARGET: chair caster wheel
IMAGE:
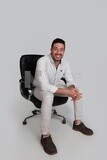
(64, 121)
(24, 122)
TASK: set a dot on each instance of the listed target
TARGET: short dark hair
(58, 40)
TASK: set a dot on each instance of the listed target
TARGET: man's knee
(48, 96)
(43, 95)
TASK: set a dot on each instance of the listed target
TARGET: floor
(22, 142)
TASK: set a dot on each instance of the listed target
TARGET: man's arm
(41, 77)
(68, 76)
(70, 91)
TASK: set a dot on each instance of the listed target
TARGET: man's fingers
(76, 97)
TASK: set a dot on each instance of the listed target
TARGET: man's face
(57, 51)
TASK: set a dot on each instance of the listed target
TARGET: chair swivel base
(54, 113)
(37, 112)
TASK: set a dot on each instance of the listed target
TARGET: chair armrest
(63, 79)
(24, 91)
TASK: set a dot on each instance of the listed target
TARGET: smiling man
(49, 71)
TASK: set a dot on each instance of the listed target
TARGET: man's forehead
(58, 45)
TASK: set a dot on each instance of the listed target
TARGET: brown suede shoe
(82, 128)
(48, 145)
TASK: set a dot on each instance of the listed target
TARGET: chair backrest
(27, 68)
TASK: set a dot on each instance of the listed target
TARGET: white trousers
(46, 109)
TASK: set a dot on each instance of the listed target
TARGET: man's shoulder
(65, 61)
(43, 59)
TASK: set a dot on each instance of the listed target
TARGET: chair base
(38, 112)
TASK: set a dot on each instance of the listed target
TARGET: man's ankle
(77, 121)
(46, 135)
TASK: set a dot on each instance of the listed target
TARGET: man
(49, 71)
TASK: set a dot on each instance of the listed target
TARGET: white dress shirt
(48, 78)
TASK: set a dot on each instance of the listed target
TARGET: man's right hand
(74, 93)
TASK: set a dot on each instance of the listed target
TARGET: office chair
(27, 69)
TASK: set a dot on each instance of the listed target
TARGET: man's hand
(70, 91)
(74, 93)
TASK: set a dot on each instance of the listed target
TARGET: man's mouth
(58, 56)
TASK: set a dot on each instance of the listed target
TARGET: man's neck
(57, 63)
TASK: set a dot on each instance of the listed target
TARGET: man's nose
(58, 51)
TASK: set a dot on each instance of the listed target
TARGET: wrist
(68, 92)
(72, 86)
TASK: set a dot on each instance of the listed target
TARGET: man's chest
(53, 72)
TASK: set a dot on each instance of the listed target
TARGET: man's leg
(46, 108)
(78, 125)
(78, 110)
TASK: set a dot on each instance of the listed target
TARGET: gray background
(29, 26)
